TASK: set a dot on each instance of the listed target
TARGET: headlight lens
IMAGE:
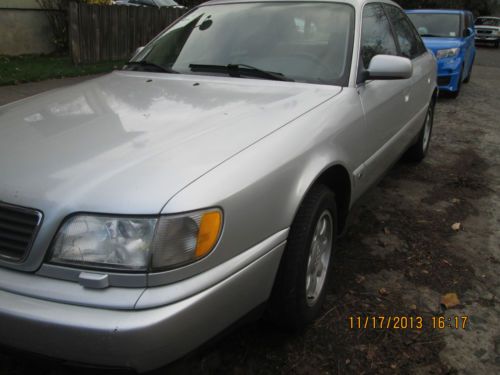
(105, 242)
(185, 238)
(133, 243)
(450, 52)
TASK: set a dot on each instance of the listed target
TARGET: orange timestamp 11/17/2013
(407, 322)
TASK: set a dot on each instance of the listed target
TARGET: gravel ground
(399, 258)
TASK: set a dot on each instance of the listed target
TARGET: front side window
(437, 25)
(304, 42)
(410, 43)
(376, 35)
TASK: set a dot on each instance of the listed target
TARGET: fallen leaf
(360, 279)
(393, 366)
(456, 227)
(413, 306)
(386, 230)
(425, 271)
(446, 262)
(383, 291)
(455, 200)
(450, 300)
(347, 361)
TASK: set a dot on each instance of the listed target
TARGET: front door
(385, 102)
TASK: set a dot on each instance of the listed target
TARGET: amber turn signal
(208, 234)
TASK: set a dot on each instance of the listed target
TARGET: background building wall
(24, 28)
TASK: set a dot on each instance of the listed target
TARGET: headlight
(444, 53)
(105, 242)
(136, 243)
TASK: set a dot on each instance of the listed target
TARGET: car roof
(355, 3)
(437, 11)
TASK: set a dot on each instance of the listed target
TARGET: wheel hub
(319, 257)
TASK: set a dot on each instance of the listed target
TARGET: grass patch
(30, 68)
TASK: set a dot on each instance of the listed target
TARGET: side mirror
(387, 67)
(137, 51)
(469, 31)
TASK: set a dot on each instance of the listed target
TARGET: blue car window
(437, 25)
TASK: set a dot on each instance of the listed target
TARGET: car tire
(305, 269)
(418, 151)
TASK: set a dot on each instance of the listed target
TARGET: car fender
(261, 188)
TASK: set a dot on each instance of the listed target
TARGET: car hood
(487, 27)
(129, 141)
(435, 44)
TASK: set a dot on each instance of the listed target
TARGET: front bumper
(449, 70)
(449, 82)
(487, 39)
(142, 340)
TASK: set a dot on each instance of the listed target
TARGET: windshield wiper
(151, 65)
(235, 70)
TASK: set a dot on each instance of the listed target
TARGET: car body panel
(115, 338)
(141, 148)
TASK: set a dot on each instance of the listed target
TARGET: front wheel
(301, 283)
(419, 150)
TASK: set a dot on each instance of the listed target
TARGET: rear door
(385, 102)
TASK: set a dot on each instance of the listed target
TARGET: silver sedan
(143, 212)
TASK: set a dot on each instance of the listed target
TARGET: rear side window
(376, 35)
(410, 43)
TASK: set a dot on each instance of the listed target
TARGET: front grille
(444, 81)
(485, 32)
(18, 228)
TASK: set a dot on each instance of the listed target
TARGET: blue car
(449, 34)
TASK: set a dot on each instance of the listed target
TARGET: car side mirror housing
(388, 67)
(469, 31)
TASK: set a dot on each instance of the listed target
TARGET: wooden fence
(104, 33)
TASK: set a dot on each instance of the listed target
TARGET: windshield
(488, 22)
(439, 25)
(305, 42)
